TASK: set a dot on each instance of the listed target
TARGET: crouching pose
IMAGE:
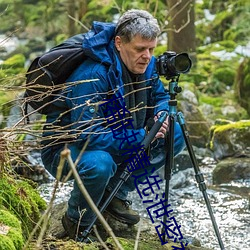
(124, 88)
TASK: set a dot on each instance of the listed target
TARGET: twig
(77, 21)
(66, 154)
(137, 236)
(99, 238)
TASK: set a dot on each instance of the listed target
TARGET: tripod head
(174, 89)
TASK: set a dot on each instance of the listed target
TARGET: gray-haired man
(121, 58)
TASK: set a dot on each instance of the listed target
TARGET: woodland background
(214, 33)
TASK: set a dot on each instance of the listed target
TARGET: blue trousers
(100, 170)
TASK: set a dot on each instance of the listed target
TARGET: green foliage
(12, 67)
(17, 61)
(229, 22)
(214, 101)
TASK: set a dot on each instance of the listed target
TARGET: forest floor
(127, 235)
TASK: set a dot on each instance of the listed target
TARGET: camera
(171, 65)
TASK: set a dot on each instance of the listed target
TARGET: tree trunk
(83, 7)
(181, 27)
(71, 6)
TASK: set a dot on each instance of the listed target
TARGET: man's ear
(118, 42)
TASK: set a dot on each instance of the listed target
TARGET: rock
(197, 125)
(148, 238)
(181, 179)
(232, 139)
(231, 169)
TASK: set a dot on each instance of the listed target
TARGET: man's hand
(164, 128)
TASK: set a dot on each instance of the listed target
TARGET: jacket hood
(98, 43)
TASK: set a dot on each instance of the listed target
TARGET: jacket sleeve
(88, 121)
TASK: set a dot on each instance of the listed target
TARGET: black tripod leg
(199, 176)
(168, 165)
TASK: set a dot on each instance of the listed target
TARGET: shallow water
(230, 204)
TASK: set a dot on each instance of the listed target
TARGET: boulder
(231, 169)
(231, 139)
(197, 125)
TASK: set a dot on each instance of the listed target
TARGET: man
(121, 67)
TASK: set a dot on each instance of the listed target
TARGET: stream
(230, 204)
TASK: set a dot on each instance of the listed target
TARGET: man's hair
(137, 22)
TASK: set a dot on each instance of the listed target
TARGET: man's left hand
(164, 128)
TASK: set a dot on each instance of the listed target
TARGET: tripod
(173, 90)
(173, 114)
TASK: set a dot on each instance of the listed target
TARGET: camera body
(171, 65)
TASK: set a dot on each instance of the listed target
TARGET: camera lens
(182, 63)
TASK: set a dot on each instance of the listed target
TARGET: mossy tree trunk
(242, 85)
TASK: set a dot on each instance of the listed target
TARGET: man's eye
(139, 50)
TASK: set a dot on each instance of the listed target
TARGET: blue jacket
(86, 117)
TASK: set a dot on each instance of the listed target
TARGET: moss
(13, 239)
(9, 219)
(16, 61)
(235, 125)
(6, 243)
(13, 70)
(212, 100)
(128, 244)
(16, 237)
(228, 45)
(22, 200)
(225, 75)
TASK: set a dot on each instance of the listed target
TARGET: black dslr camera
(171, 65)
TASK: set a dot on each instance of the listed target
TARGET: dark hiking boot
(75, 231)
(121, 211)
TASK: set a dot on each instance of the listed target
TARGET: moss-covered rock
(231, 139)
(11, 237)
(22, 200)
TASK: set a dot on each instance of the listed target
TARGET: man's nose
(146, 54)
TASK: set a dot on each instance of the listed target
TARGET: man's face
(137, 53)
